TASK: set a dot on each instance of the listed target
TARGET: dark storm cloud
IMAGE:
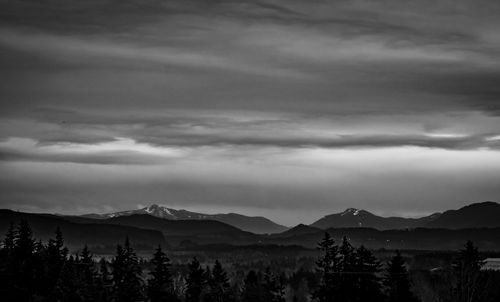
(479, 90)
(341, 141)
(87, 16)
(411, 44)
(109, 158)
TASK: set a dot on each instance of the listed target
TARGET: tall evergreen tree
(24, 260)
(24, 242)
(219, 285)
(347, 272)
(328, 267)
(87, 275)
(56, 256)
(368, 287)
(8, 243)
(195, 281)
(7, 254)
(396, 281)
(13, 265)
(127, 281)
(160, 286)
(469, 284)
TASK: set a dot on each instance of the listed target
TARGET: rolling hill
(178, 231)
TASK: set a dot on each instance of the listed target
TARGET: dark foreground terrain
(337, 270)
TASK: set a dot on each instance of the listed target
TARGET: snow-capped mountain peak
(351, 211)
(246, 223)
(157, 210)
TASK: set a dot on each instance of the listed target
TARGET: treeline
(31, 270)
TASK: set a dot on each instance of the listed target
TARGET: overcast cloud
(284, 108)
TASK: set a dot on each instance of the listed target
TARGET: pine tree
(127, 281)
(24, 261)
(195, 281)
(43, 288)
(8, 243)
(56, 256)
(160, 286)
(24, 242)
(328, 267)
(397, 281)
(219, 285)
(347, 274)
(367, 283)
(87, 275)
(469, 286)
(7, 254)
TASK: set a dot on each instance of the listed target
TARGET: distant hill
(353, 218)
(300, 229)
(179, 231)
(476, 215)
(98, 236)
(256, 224)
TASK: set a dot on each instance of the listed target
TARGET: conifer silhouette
(160, 286)
(396, 280)
(195, 281)
(127, 281)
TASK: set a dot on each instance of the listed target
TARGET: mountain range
(254, 224)
(448, 230)
(477, 215)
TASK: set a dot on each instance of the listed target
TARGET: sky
(289, 109)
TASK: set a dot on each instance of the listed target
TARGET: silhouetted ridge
(476, 215)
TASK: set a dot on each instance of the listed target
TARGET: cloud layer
(254, 106)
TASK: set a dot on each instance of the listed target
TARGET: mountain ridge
(482, 214)
(147, 230)
(475, 215)
(254, 224)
